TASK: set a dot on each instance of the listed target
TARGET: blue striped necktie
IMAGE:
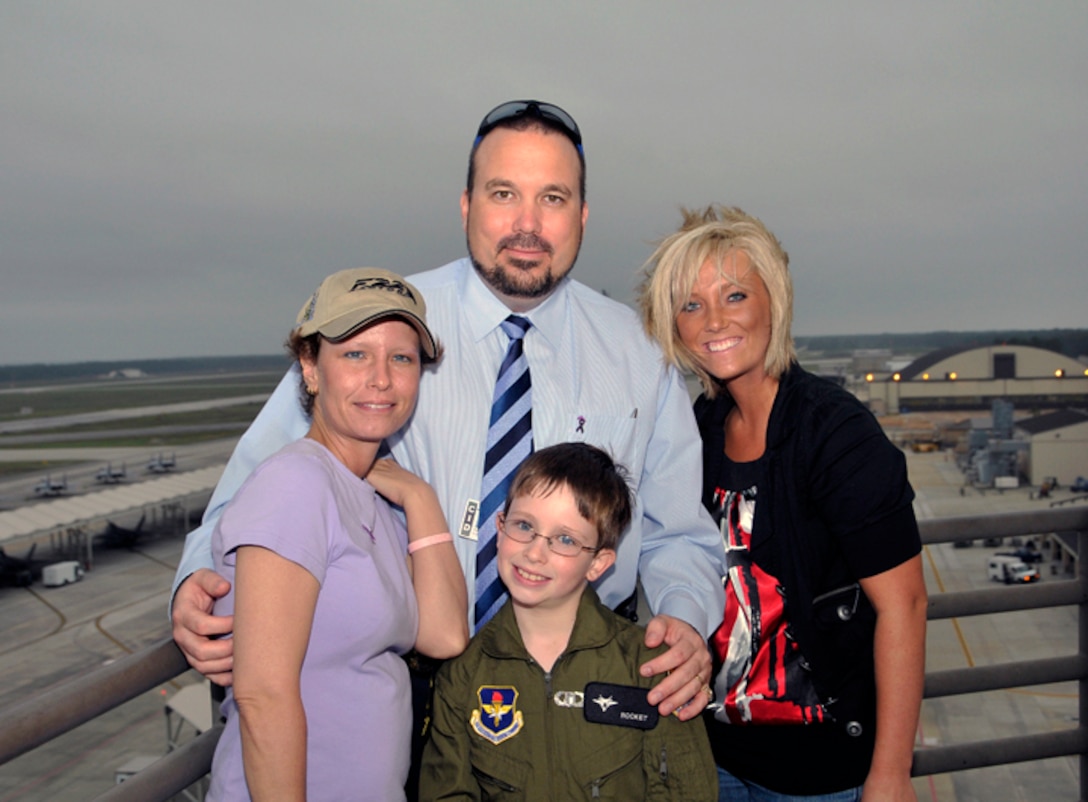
(509, 442)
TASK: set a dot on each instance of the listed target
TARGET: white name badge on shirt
(469, 527)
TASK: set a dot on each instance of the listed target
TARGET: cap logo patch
(497, 718)
(383, 284)
(309, 313)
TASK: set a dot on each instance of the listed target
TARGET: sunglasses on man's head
(531, 108)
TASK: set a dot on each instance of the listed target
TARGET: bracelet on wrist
(430, 540)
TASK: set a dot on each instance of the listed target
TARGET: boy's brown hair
(598, 484)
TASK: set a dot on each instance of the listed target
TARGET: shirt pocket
(618, 435)
(841, 654)
(614, 770)
(500, 776)
(682, 768)
(845, 619)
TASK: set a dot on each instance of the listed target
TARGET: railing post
(1082, 647)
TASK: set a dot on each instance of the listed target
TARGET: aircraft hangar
(973, 377)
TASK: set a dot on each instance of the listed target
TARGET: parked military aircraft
(14, 572)
(51, 487)
(109, 475)
(117, 537)
(161, 463)
(19, 572)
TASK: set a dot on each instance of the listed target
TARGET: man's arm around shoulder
(196, 586)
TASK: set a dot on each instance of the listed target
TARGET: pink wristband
(430, 540)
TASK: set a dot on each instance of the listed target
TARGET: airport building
(1057, 446)
(974, 377)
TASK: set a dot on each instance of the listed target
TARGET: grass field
(241, 414)
(36, 466)
(140, 440)
(48, 401)
(95, 396)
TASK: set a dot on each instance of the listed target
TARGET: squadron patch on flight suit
(497, 718)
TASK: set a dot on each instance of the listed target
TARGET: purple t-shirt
(306, 506)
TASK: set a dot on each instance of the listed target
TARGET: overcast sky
(176, 178)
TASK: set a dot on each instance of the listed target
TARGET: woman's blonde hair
(671, 272)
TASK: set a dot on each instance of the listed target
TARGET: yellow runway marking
(967, 652)
(955, 621)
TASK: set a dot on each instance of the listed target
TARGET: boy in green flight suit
(547, 702)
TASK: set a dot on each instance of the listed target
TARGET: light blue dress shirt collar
(488, 311)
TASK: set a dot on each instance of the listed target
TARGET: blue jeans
(731, 789)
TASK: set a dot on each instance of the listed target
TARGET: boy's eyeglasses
(531, 108)
(521, 531)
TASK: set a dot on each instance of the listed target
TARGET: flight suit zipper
(548, 713)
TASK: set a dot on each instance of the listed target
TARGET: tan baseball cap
(348, 300)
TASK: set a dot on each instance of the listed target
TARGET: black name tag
(621, 705)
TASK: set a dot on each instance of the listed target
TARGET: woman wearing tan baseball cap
(329, 588)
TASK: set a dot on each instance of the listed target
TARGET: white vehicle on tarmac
(62, 573)
(1011, 570)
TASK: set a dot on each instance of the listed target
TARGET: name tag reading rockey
(619, 705)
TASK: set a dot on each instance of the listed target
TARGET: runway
(131, 413)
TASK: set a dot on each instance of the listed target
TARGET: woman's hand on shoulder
(410, 493)
(396, 484)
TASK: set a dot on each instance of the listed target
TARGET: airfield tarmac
(78, 465)
(50, 634)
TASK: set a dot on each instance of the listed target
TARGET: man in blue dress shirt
(595, 377)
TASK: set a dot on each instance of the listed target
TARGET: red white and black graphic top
(761, 679)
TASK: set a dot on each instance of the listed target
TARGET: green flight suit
(503, 729)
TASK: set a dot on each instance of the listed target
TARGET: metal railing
(56, 711)
(1057, 593)
(52, 713)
